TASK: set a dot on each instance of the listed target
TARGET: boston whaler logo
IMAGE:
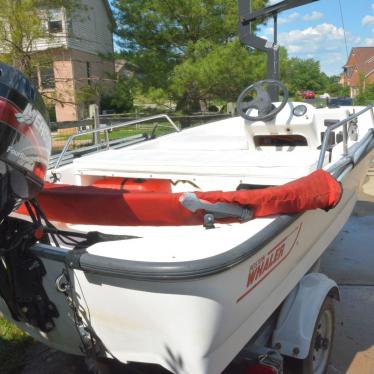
(266, 262)
(261, 268)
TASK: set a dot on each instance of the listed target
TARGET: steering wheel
(262, 101)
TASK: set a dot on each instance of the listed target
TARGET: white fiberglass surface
(200, 162)
(222, 149)
(174, 244)
(203, 160)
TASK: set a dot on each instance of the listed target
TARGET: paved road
(349, 260)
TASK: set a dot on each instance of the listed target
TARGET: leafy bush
(121, 100)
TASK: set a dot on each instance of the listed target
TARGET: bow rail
(58, 161)
(343, 123)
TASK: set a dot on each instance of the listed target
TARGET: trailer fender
(295, 325)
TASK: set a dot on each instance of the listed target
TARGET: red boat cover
(103, 206)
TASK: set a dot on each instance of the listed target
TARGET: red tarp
(103, 206)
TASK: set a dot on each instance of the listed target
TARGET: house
(78, 47)
(122, 69)
(360, 62)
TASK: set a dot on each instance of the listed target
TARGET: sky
(316, 31)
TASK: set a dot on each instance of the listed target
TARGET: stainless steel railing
(344, 123)
(106, 130)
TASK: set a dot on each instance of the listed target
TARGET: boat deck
(262, 167)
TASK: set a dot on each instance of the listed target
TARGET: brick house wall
(360, 61)
(73, 70)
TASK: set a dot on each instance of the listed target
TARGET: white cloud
(325, 36)
(324, 42)
(369, 42)
(313, 16)
(269, 31)
(312, 38)
(367, 20)
(288, 19)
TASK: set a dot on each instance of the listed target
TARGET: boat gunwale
(142, 270)
(184, 270)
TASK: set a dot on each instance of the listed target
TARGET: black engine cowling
(25, 139)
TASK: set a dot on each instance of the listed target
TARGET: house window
(348, 71)
(55, 21)
(47, 77)
(54, 27)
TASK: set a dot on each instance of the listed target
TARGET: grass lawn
(13, 344)
(121, 133)
(113, 135)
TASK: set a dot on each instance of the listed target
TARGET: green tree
(160, 97)
(121, 100)
(215, 71)
(370, 91)
(304, 75)
(362, 96)
(158, 35)
(334, 88)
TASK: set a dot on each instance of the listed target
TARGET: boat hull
(195, 325)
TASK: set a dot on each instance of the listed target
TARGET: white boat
(186, 296)
(189, 295)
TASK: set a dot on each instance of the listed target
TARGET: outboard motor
(25, 146)
(25, 140)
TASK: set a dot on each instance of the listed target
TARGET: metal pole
(96, 125)
(271, 48)
(107, 139)
(247, 16)
(273, 62)
(345, 139)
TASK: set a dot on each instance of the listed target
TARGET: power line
(345, 36)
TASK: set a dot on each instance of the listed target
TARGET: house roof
(361, 59)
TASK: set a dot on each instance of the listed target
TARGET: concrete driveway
(350, 261)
